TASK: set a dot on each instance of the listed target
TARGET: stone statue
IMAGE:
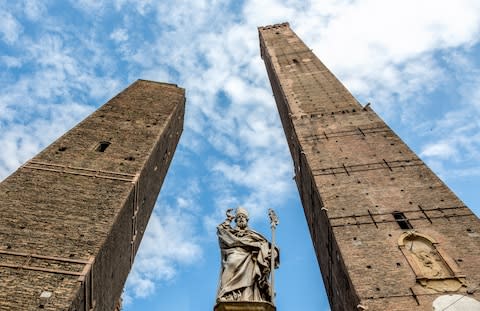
(245, 261)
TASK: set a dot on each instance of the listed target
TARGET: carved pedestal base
(244, 306)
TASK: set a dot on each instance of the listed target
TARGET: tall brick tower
(71, 218)
(388, 233)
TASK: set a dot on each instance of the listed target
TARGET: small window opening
(130, 158)
(295, 61)
(63, 148)
(402, 220)
(102, 146)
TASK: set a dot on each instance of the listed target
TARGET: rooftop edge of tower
(162, 83)
(274, 26)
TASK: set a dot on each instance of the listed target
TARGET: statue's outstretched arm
(229, 218)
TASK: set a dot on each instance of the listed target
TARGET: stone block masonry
(388, 233)
(72, 218)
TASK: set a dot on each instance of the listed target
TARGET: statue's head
(241, 218)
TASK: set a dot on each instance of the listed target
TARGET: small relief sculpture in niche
(427, 258)
(433, 268)
(246, 260)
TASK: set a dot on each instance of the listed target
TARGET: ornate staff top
(273, 218)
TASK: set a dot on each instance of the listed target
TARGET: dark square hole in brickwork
(130, 158)
(402, 220)
(102, 146)
(62, 148)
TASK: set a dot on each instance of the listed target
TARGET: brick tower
(71, 218)
(388, 233)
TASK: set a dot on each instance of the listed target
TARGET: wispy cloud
(34, 9)
(119, 35)
(10, 28)
(169, 242)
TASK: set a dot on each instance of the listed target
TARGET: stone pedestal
(244, 306)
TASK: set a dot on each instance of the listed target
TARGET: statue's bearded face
(242, 221)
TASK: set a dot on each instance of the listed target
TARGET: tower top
(285, 24)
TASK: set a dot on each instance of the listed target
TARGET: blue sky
(417, 62)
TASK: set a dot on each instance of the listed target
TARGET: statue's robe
(245, 265)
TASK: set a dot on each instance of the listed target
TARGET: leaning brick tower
(72, 218)
(388, 233)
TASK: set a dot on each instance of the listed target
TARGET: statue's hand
(229, 218)
(230, 215)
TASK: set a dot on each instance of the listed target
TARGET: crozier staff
(245, 261)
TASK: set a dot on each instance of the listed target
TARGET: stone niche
(244, 306)
(433, 268)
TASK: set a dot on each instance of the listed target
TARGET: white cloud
(261, 13)
(141, 6)
(266, 178)
(383, 50)
(89, 6)
(34, 9)
(454, 148)
(172, 229)
(10, 28)
(11, 62)
(119, 35)
(442, 150)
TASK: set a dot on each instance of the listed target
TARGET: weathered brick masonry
(388, 233)
(71, 218)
